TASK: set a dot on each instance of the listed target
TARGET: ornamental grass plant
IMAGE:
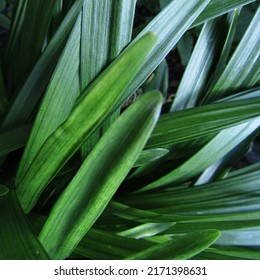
(99, 159)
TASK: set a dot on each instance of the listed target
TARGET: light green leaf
(180, 247)
(201, 121)
(220, 7)
(146, 230)
(17, 241)
(148, 156)
(66, 140)
(169, 25)
(99, 177)
(246, 62)
(223, 143)
(199, 68)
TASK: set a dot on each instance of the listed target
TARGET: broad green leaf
(58, 100)
(246, 62)
(3, 190)
(99, 177)
(13, 139)
(201, 121)
(146, 230)
(17, 241)
(83, 120)
(199, 68)
(222, 144)
(220, 7)
(180, 247)
(30, 94)
(102, 245)
(148, 156)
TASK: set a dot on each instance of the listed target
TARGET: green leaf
(241, 237)
(222, 144)
(148, 156)
(31, 35)
(199, 68)
(58, 100)
(146, 230)
(123, 142)
(180, 247)
(246, 62)
(17, 241)
(169, 26)
(13, 139)
(235, 251)
(105, 32)
(219, 7)
(83, 120)
(24, 105)
(102, 245)
(200, 121)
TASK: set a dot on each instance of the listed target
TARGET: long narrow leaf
(89, 192)
(223, 143)
(180, 248)
(59, 98)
